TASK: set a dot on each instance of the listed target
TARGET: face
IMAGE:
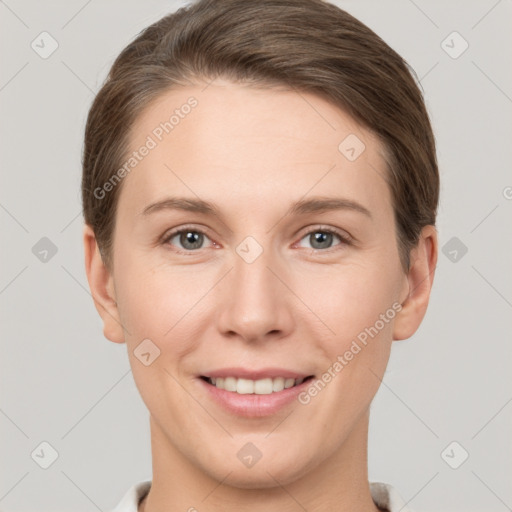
(255, 243)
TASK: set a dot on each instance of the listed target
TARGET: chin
(268, 472)
(260, 479)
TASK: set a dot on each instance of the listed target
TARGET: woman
(260, 188)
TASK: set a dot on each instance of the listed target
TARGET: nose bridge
(253, 279)
(256, 304)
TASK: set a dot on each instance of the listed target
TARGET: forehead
(251, 145)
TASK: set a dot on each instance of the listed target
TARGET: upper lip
(262, 373)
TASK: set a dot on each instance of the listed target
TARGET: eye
(190, 239)
(322, 238)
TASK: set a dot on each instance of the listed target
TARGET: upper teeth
(248, 386)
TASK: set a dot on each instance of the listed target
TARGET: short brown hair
(306, 45)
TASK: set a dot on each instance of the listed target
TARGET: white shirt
(384, 496)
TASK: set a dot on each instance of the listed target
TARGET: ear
(418, 284)
(101, 283)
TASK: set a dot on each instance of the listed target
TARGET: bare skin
(254, 153)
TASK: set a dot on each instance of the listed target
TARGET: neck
(339, 483)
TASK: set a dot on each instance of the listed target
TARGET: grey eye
(189, 240)
(321, 239)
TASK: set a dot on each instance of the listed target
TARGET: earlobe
(420, 278)
(101, 284)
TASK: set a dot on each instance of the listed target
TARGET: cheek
(157, 304)
(144, 304)
(163, 307)
(163, 304)
(351, 300)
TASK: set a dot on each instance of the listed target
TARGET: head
(208, 151)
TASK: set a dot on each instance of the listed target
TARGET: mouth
(253, 393)
(264, 386)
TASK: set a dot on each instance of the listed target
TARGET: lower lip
(252, 405)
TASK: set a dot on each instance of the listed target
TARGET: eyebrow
(304, 206)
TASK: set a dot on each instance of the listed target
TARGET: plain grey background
(447, 392)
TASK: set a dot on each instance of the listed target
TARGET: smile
(265, 394)
(264, 386)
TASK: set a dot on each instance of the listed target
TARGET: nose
(255, 304)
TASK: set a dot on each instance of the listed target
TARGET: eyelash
(344, 238)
